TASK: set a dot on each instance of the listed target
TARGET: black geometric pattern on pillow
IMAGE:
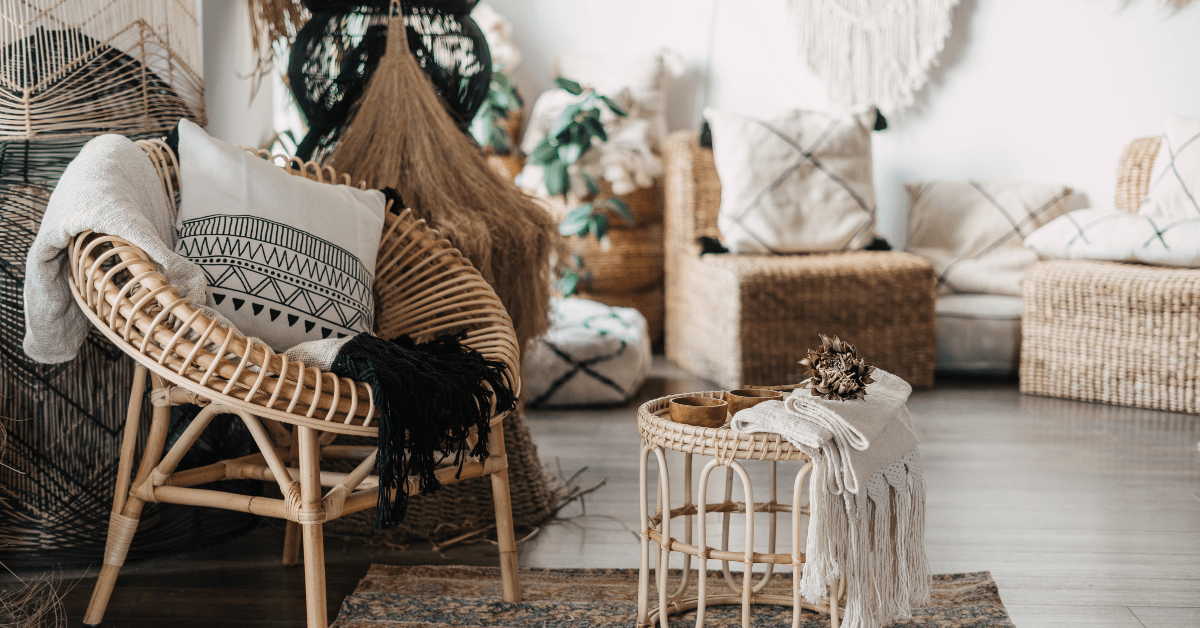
(1021, 227)
(1159, 232)
(584, 368)
(272, 263)
(804, 156)
(1171, 171)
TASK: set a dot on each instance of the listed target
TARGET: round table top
(658, 430)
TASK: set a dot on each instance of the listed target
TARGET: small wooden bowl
(699, 411)
(748, 397)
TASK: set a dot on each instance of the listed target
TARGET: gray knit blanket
(866, 497)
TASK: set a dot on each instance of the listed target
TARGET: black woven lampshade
(338, 49)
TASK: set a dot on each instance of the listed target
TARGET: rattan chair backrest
(424, 287)
(1133, 172)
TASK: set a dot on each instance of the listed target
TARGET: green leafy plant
(570, 275)
(573, 134)
(488, 127)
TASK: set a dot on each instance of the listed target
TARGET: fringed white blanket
(866, 497)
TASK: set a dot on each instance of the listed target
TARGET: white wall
(228, 58)
(1031, 89)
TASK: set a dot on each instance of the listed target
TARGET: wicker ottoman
(1125, 334)
(749, 319)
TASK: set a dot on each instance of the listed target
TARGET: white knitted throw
(866, 497)
(112, 188)
(873, 52)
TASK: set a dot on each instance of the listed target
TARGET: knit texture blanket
(866, 497)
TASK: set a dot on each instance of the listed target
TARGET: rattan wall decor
(83, 67)
(70, 70)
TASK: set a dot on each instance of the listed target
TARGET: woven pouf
(592, 354)
(1125, 334)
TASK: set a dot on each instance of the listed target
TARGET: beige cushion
(973, 232)
(1175, 181)
(799, 183)
(1117, 236)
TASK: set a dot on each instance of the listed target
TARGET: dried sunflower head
(836, 372)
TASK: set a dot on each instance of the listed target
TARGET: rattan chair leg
(310, 514)
(123, 524)
(291, 544)
(505, 535)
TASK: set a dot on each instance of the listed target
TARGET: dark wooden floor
(1086, 515)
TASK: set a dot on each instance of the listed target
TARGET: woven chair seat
(424, 287)
(657, 429)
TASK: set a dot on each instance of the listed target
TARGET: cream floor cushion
(1175, 181)
(592, 354)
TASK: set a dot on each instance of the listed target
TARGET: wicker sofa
(1126, 334)
(748, 319)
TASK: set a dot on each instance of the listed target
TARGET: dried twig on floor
(35, 604)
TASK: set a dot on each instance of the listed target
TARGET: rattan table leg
(291, 544)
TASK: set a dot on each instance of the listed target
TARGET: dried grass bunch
(401, 136)
(37, 604)
(836, 372)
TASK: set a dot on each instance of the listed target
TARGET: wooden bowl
(748, 397)
(699, 411)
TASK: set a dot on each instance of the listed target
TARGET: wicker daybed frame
(1126, 334)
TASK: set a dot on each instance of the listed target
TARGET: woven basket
(646, 204)
(632, 263)
(649, 302)
(1127, 334)
(735, 319)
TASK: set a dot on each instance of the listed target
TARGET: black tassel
(705, 135)
(880, 121)
(709, 244)
(429, 397)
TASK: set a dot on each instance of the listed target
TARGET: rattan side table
(726, 448)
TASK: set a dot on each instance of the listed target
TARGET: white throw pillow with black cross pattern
(288, 259)
(798, 183)
(1117, 236)
(1175, 179)
(973, 232)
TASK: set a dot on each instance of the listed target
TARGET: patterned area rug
(431, 597)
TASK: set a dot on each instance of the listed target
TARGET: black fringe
(429, 397)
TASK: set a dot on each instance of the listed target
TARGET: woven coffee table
(726, 448)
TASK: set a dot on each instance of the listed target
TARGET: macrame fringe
(272, 22)
(430, 396)
(873, 52)
(876, 538)
(401, 136)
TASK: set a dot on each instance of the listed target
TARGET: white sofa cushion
(798, 183)
(978, 334)
(1175, 180)
(1117, 236)
(973, 232)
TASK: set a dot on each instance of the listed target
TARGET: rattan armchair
(749, 319)
(424, 287)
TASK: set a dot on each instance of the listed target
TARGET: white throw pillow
(799, 183)
(1175, 180)
(287, 259)
(973, 232)
(1117, 236)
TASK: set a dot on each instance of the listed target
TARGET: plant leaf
(592, 188)
(622, 209)
(599, 226)
(570, 152)
(568, 283)
(593, 125)
(556, 177)
(577, 219)
(614, 107)
(544, 153)
(569, 85)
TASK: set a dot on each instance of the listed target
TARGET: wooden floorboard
(1086, 515)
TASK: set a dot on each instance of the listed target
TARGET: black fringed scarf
(429, 397)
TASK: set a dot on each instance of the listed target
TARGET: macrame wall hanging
(873, 52)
